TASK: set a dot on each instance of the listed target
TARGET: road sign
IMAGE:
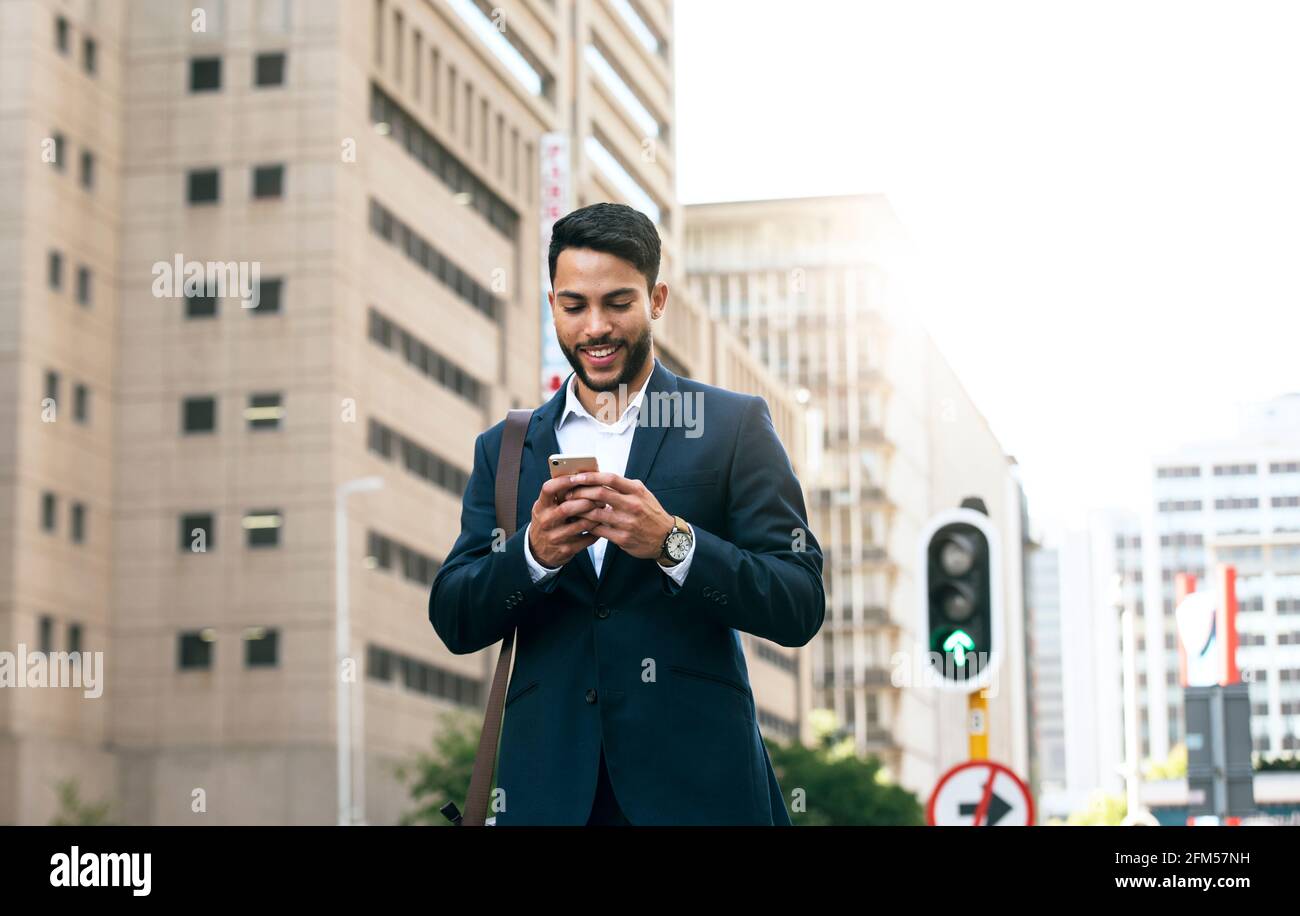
(980, 793)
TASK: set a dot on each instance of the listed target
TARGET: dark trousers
(605, 811)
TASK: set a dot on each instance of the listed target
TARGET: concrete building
(1210, 502)
(170, 458)
(809, 284)
(1230, 502)
(1046, 693)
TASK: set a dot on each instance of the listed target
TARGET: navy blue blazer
(651, 670)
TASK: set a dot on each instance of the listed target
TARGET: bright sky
(1105, 197)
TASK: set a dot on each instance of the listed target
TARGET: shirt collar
(630, 413)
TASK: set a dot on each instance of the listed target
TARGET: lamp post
(342, 640)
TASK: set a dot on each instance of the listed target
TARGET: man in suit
(630, 700)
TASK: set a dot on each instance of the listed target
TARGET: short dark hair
(615, 229)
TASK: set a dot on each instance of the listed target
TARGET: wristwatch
(677, 543)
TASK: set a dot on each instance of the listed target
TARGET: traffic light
(961, 597)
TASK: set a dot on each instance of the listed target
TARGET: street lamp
(342, 638)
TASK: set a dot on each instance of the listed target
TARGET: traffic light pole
(977, 724)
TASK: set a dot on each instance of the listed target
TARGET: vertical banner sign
(554, 159)
(1207, 630)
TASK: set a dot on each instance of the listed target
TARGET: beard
(637, 352)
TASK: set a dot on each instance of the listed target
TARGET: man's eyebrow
(579, 297)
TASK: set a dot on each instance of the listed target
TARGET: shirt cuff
(536, 570)
(678, 572)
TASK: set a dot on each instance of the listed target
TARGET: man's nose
(598, 325)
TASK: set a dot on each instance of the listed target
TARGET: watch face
(677, 546)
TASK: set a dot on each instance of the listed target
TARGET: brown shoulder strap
(507, 498)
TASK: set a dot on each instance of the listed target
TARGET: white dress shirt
(577, 432)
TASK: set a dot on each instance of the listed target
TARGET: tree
(443, 775)
(1172, 767)
(835, 786)
(73, 812)
(1101, 810)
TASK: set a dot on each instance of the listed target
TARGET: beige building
(810, 285)
(169, 459)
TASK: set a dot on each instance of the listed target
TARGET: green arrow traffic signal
(959, 643)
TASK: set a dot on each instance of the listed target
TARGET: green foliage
(1172, 767)
(73, 812)
(1277, 764)
(443, 775)
(1101, 810)
(838, 787)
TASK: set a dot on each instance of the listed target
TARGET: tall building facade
(893, 439)
(172, 456)
(1231, 502)
(1046, 692)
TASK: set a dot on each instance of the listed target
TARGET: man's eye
(621, 305)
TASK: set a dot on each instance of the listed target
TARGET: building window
(49, 511)
(60, 145)
(417, 249)
(204, 186)
(204, 306)
(87, 169)
(83, 285)
(54, 274)
(268, 181)
(194, 650)
(199, 415)
(261, 648)
(52, 385)
(74, 637)
(80, 403)
(198, 532)
(269, 294)
(62, 39)
(441, 163)
(205, 74)
(88, 50)
(263, 527)
(417, 460)
(268, 69)
(45, 633)
(424, 359)
(264, 411)
(383, 553)
(78, 523)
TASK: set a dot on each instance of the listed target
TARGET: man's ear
(658, 311)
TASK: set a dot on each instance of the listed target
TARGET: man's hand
(556, 535)
(623, 511)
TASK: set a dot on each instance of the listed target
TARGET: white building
(811, 286)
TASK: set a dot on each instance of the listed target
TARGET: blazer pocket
(529, 688)
(715, 678)
(701, 478)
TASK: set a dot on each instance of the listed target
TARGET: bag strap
(507, 500)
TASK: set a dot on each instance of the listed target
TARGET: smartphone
(564, 465)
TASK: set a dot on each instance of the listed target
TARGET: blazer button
(591, 694)
(602, 611)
